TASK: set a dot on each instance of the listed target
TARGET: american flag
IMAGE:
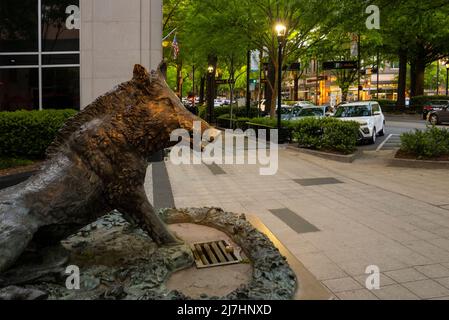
(175, 47)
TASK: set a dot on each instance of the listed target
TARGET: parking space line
(384, 142)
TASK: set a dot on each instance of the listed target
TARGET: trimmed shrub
(226, 110)
(224, 121)
(27, 134)
(327, 134)
(428, 144)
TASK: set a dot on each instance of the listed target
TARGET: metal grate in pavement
(214, 253)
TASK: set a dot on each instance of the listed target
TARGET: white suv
(368, 114)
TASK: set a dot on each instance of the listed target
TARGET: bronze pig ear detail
(140, 73)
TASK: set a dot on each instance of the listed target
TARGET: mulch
(404, 155)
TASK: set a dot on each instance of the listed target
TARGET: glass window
(61, 88)
(19, 89)
(19, 60)
(20, 71)
(60, 25)
(49, 59)
(18, 26)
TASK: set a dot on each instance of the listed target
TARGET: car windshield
(312, 112)
(353, 111)
(286, 110)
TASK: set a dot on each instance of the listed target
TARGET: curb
(13, 179)
(421, 164)
(329, 156)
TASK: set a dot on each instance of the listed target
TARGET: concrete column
(115, 35)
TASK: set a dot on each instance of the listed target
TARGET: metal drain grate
(214, 253)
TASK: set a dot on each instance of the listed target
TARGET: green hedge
(327, 134)
(226, 110)
(224, 121)
(428, 144)
(27, 134)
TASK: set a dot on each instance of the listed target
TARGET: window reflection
(61, 88)
(18, 26)
(59, 29)
(19, 89)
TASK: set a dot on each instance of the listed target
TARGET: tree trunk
(420, 70)
(202, 84)
(402, 80)
(344, 93)
(413, 79)
(296, 88)
(271, 78)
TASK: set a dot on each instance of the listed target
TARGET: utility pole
(359, 64)
(438, 77)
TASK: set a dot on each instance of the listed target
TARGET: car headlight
(365, 130)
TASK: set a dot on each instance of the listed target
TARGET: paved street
(337, 218)
(395, 126)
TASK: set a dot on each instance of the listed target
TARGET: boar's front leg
(135, 206)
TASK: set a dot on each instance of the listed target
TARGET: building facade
(57, 54)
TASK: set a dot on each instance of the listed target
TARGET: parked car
(368, 114)
(304, 104)
(437, 117)
(315, 112)
(435, 105)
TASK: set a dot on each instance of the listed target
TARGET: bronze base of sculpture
(118, 261)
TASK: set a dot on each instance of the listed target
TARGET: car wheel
(434, 120)
(382, 132)
(372, 140)
(424, 117)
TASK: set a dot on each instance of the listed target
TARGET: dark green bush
(226, 110)
(27, 134)
(428, 144)
(224, 121)
(327, 134)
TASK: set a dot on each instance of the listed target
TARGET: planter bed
(329, 155)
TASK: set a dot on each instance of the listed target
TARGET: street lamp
(447, 78)
(281, 30)
(210, 69)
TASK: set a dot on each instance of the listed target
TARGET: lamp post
(280, 31)
(210, 91)
(447, 78)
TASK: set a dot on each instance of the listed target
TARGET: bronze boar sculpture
(96, 164)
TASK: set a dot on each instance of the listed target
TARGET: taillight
(428, 108)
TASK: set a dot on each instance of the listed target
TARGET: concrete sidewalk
(338, 218)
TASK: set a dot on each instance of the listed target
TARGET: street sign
(335, 65)
(315, 79)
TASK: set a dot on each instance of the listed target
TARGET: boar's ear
(140, 74)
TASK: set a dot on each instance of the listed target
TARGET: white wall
(115, 35)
